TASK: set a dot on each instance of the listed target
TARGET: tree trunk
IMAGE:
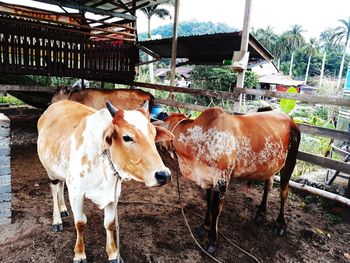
(278, 63)
(342, 65)
(150, 65)
(322, 68)
(291, 64)
(307, 69)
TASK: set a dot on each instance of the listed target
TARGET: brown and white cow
(126, 99)
(216, 147)
(88, 149)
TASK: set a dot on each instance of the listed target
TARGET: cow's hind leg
(285, 174)
(261, 213)
(203, 229)
(109, 223)
(61, 202)
(76, 202)
(216, 207)
(57, 221)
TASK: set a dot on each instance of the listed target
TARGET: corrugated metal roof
(209, 49)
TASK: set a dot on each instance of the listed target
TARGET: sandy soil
(151, 233)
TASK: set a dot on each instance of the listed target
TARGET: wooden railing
(308, 129)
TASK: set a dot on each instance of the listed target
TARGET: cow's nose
(163, 177)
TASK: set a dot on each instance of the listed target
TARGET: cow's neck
(107, 154)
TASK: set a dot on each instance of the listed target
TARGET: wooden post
(174, 45)
(244, 48)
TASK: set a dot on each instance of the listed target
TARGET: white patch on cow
(138, 120)
(208, 147)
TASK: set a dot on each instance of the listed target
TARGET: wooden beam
(26, 88)
(77, 6)
(235, 94)
(174, 43)
(181, 105)
(318, 192)
(324, 162)
(295, 96)
(195, 92)
(325, 132)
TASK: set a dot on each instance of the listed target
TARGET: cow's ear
(163, 134)
(108, 135)
(112, 110)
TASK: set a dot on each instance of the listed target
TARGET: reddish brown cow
(216, 147)
(125, 99)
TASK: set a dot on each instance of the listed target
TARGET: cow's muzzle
(163, 177)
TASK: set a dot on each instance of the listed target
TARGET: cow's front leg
(109, 224)
(217, 202)
(203, 229)
(76, 202)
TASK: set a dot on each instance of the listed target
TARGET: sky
(314, 15)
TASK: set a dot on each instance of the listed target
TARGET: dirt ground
(151, 233)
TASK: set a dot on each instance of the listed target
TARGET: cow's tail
(294, 141)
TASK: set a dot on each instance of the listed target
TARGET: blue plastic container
(156, 109)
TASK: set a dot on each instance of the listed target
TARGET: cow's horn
(112, 110)
(145, 106)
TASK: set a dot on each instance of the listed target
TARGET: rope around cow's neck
(118, 186)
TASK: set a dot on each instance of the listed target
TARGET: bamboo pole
(318, 192)
(244, 49)
(174, 44)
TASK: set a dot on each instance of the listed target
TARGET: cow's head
(131, 141)
(170, 123)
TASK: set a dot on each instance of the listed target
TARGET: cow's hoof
(280, 231)
(259, 217)
(57, 228)
(211, 249)
(64, 214)
(80, 261)
(202, 232)
(116, 261)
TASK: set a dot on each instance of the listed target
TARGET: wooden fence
(308, 129)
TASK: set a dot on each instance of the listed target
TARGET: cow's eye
(127, 138)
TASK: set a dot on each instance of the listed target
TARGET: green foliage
(287, 105)
(10, 100)
(189, 28)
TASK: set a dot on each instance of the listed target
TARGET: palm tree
(310, 49)
(294, 40)
(280, 49)
(342, 33)
(266, 36)
(326, 38)
(150, 11)
(155, 10)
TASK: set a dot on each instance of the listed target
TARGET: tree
(310, 49)
(294, 40)
(342, 34)
(155, 10)
(150, 11)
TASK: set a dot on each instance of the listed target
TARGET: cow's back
(58, 123)
(126, 99)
